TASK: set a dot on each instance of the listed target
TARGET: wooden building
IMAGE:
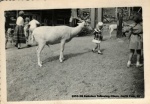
(53, 17)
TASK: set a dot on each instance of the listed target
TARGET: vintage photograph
(74, 54)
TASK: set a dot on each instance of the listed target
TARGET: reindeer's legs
(61, 57)
(39, 50)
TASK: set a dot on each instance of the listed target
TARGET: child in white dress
(98, 37)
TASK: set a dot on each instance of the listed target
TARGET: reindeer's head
(86, 25)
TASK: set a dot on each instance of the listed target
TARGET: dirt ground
(83, 75)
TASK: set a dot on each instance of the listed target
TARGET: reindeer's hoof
(40, 64)
(61, 60)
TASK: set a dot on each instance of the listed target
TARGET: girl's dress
(97, 36)
(136, 38)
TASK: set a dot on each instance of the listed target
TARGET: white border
(52, 4)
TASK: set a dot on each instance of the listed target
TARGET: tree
(119, 23)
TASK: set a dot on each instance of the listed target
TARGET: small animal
(125, 28)
(112, 27)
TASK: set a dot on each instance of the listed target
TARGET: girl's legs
(99, 51)
(94, 49)
(130, 57)
(138, 58)
(19, 44)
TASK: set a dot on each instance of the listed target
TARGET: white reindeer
(112, 27)
(49, 35)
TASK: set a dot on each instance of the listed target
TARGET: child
(26, 28)
(136, 41)
(98, 37)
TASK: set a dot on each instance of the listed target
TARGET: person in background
(19, 31)
(26, 28)
(98, 37)
(32, 25)
(85, 16)
(136, 41)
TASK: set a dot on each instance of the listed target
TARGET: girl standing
(98, 37)
(136, 41)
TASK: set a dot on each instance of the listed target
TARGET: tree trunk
(116, 13)
(129, 12)
(119, 25)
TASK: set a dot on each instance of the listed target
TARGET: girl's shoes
(94, 50)
(128, 64)
(99, 52)
(138, 64)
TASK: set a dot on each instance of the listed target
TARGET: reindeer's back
(51, 33)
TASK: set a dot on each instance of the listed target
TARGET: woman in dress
(19, 31)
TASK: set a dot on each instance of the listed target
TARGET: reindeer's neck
(76, 30)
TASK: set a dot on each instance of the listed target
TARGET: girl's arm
(97, 27)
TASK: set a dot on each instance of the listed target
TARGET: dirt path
(82, 73)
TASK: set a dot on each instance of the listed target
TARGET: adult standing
(19, 31)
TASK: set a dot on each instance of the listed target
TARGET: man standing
(32, 25)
